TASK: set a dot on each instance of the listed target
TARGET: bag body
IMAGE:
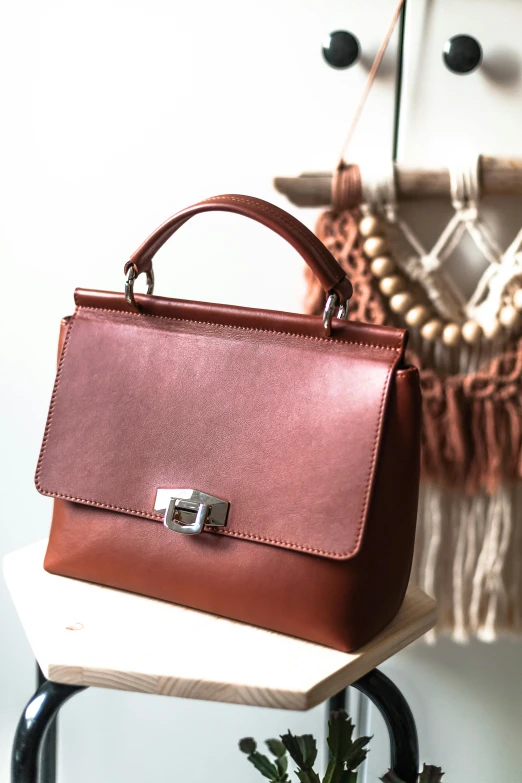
(259, 465)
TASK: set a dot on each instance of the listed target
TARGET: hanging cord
(378, 188)
(346, 188)
(369, 82)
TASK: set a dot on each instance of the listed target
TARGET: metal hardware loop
(331, 304)
(129, 286)
(189, 511)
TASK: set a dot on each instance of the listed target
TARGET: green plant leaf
(391, 777)
(302, 749)
(340, 730)
(349, 776)
(293, 747)
(308, 776)
(275, 747)
(431, 774)
(357, 753)
(264, 766)
(334, 771)
(247, 745)
(308, 747)
(282, 764)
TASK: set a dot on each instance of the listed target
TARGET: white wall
(114, 115)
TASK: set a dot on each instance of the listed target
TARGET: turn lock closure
(187, 511)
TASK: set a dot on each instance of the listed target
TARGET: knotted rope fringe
(467, 555)
(469, 541)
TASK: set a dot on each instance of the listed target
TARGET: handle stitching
(310, 238)
(295, 226)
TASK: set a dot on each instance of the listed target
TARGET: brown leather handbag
(259, 465)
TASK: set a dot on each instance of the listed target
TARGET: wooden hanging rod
(498, 177)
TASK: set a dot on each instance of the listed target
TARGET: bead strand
(419, 315)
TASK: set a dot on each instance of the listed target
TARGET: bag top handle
(331, 276)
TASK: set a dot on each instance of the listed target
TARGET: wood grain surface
(86, 634)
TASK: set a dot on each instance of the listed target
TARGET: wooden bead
(517, 298)
(508, 316)
(392, 285)
(471, 332)
(401, 302)
(375, 246)
(417, 315)
(492, 329)
(370, 226)
(432, 329)
(451, 335)
(383, 266)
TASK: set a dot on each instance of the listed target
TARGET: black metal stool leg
(394, 708)
(47, 765)
(38, 715)
(338, 702)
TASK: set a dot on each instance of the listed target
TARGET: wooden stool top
(86, 634)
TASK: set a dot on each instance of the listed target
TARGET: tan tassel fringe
(467, 555)
(472, 424)
(469, 540)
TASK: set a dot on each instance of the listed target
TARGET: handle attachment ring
(129, 286)
(332, 303)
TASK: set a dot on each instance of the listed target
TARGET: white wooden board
(86, 634)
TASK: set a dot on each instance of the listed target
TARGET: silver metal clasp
(334, 303)
(187, 511)
(129, 286)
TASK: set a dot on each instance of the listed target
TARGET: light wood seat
(86, 634)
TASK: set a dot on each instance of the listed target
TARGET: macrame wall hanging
(469, 352)
(469, 547)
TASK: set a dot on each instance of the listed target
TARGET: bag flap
(252, 407)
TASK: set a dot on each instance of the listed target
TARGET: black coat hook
(341, 49)
(462, 54)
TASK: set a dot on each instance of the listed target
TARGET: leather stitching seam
(373, 460)
(154, 517)
(52, 404)
(396, 348)
(316, 245)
